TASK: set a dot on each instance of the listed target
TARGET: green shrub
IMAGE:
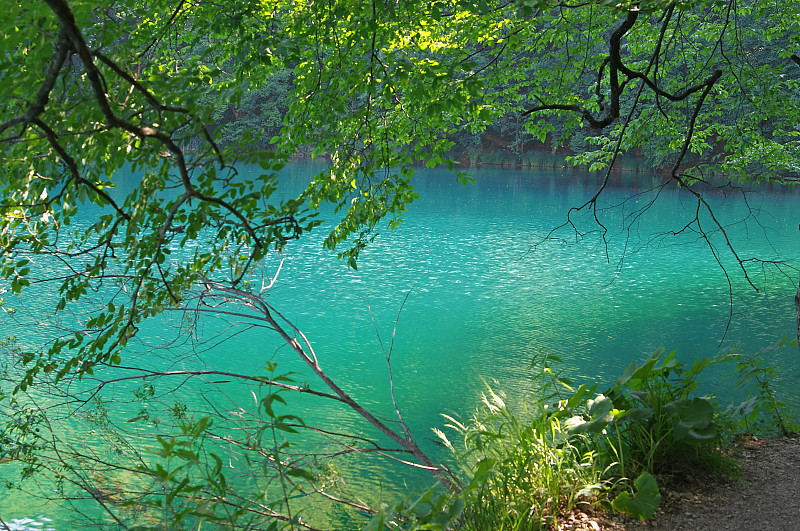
(658, 422)
(761, 413)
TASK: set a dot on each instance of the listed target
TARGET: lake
(485, 279)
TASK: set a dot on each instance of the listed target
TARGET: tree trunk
(797, 307)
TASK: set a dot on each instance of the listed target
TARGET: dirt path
(766, 498)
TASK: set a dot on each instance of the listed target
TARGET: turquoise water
(485, 288)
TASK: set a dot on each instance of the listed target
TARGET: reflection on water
(488, 283)
(27, 524)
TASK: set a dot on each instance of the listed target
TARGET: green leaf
(300, 473)
(692, 419)
(379, 521)
(634, 415)
(599, 412)
(643, 503)
(579, 395)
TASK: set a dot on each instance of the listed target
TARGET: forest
(145, 150)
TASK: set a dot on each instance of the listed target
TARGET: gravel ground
(765, 498)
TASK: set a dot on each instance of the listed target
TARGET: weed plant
(762, 412)
(533, 462)
(530, 469)
(659, 423)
